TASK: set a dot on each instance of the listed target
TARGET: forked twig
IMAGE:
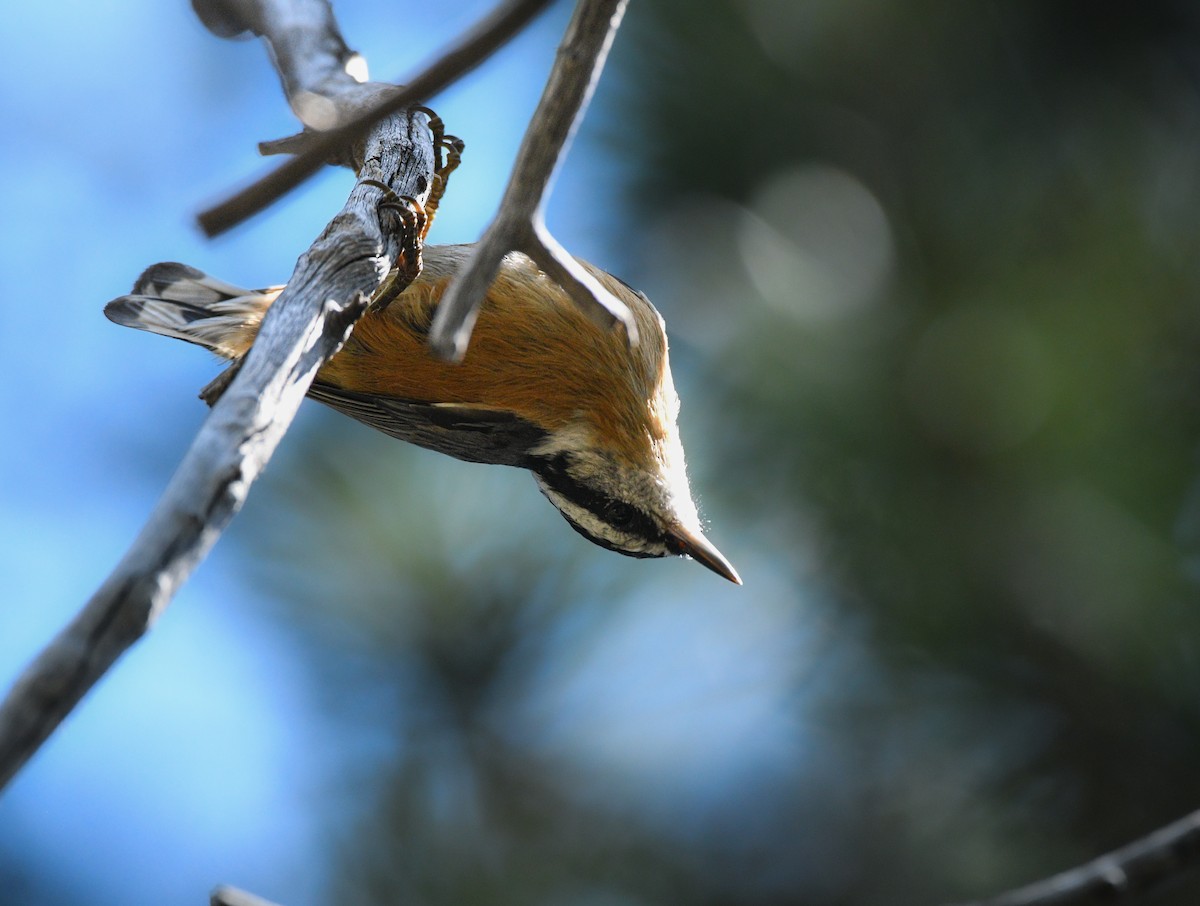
(520, 222)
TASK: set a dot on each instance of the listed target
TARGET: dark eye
(623, 516)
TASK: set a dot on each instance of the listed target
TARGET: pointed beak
(696, 546)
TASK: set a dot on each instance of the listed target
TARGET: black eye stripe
(620, 515)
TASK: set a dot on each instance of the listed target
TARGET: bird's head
(616, 470)
(634, 510)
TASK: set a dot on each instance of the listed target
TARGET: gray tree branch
(520, 223)
(1122, 875)
(305, 43)
(327, 292)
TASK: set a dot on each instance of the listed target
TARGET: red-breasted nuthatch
(541, 387)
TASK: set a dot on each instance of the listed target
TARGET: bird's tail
(179, 301)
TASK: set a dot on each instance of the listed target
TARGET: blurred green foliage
(932, 280)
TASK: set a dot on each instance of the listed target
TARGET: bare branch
(307, 48)
(585, 290)
(1123, 874)
(465, 54)
(520, 223)
(307, 324)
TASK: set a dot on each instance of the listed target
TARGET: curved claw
(416, 218)
(414, 222)
(447, 155)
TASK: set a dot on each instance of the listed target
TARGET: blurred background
(930, 271)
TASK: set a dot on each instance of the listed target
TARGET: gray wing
(464, 432)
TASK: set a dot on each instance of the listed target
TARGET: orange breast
(532, 352)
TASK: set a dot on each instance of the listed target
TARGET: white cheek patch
(574, 438)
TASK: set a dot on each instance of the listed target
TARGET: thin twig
(306, 325)
(520, 222)
(467, 52)
(1123, 874)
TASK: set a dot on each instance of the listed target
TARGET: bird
(541, 387)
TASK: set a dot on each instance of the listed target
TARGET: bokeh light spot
(816, 243)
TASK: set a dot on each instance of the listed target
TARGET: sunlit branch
(307, 324)
(519, 224)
